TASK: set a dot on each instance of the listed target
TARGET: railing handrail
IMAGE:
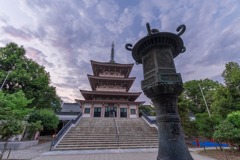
(77, 119)
(68, 113)
(64, 130)
(116, 127)
(148, 119)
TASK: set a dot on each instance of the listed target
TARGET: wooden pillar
(92, 109)
(102, 110)
(83, 108)
(118, 111)
(128, 111)
(137, 105)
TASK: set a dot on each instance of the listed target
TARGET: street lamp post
(5, 80)
(204, 100)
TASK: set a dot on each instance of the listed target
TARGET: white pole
(204, 100)
(4, 80)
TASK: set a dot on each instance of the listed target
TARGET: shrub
(48, 119)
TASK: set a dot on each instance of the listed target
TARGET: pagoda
(110, 96)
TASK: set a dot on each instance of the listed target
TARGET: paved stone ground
(28, 153)
(41, 152)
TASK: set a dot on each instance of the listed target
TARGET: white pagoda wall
(132, 106)
(97, 105)
(87, 105)
(100, 105)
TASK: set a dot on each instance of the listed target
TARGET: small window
(133, 111)
(87, 110)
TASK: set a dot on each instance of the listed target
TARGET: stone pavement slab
(28, 153)
(41, 152)
(115, 154)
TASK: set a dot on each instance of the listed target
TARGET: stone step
(96, 138)
(107, 144)
(104, 147)
(100, 133)
(114, 133)
(123, 134)
(107, 140)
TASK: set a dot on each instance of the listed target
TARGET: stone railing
(64, 130)
(116, 127)
(148, 119)
(68, 113)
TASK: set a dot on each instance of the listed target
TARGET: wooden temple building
(110, 96)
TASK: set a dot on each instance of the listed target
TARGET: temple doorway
(110, 111)
(97, 112)
(123, 112)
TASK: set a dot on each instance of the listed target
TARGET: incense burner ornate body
(162, 84)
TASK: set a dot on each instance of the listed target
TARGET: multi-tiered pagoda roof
(110, 83)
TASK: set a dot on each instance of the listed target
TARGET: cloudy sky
(65, 35)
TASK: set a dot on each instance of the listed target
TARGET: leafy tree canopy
(189, 126)
(221, 100)
(13, 106)
(26, 75)
(192, 93)
(10, 128)
(13, 111)
(231, 75)
(229, 129)
(206, 124)
(33, 127)
(47, 117)
(147, 109)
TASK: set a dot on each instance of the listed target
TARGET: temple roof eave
(108, 101)
(109, 64)
(91, 95)
(109, 93)
(93, 78)
(111, 78)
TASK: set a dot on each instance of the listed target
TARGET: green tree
(13, 106)
(147, 109)
(33, 127)
(47, 117)
(227, 97)
(223, 102)
(231, 75)
(221, 99)
(13, 112)
(194, 96)
(206, 124)
(189, 126)
(26, 75)
(10, 128)
(229, 129)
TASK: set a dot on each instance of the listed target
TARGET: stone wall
(17, 145)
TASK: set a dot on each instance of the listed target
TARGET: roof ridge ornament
(112, 54)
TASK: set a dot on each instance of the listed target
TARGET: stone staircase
(101, 133)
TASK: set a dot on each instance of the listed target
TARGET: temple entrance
(110, 112)
(123, 112)
(97, 112)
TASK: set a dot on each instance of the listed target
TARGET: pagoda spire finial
(112, 53)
